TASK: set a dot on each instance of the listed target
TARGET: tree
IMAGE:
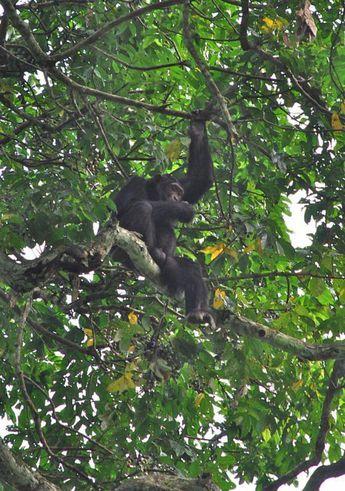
(101, 379)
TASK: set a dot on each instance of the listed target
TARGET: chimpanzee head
(166, 188)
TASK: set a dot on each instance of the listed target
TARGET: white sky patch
(33, 252)
(333, 484)
(299, 229)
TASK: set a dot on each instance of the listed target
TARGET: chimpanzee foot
(198, 316)
(158, 255)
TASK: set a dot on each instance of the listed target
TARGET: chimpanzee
(152, 207)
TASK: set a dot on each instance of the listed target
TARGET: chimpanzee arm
(134, 190)
(199, 176)
(168, 211)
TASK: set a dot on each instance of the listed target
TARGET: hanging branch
(34, 412)
(212, 86)
(333, 389)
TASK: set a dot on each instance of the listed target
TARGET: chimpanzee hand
(186, 211)
(203, 114)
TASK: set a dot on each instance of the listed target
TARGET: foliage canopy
(100, 378)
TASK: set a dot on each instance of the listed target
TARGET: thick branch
(34, 273)
(323, 473)
(245, 44)
(19, 475)
(165, 482)
(30, 274)
(298, 347)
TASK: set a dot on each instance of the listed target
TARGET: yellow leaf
(271, 25)
(133, 318)
(121, 384)
(249, 248)
(90, 339)
(198, 399)
(7, 216)
(215, 250)
(336, 123)
(297, 385)
(131, 366)
(342, 107)
(219, 299)
(173, 150)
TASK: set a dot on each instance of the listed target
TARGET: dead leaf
(161, 369)
(306, 27)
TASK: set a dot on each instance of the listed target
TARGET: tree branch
(333, 388)
(30, 274)
(212, 86)
(46, 62)
(19, 475)
(110, 25)
(48, 333)
(83, 89)
(245, 44)
(277, 339)
(25, 31)
(325, 472)
(301, 86)
(24, 277)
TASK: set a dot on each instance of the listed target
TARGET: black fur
(152, 207)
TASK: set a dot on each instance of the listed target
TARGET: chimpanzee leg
(182, 274)
(138, 218)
